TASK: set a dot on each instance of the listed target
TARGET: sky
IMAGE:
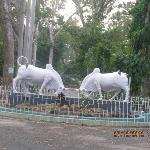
(70, 7)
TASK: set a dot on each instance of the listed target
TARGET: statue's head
(59, 91)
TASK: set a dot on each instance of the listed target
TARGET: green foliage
(140, 38)
(107, 49)
(47, 13)
(122, 45)
(99, 55)
(43, 47)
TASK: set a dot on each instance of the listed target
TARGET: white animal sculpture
(96, 70)
(98, 82)
(47, 78)
(50, 67)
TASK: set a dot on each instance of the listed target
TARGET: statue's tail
(21, 58)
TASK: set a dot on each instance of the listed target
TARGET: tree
(140, 60)
(22, 16)
(51, 19)
(146, 48)
(93, 10)
(35, 44)
(118, 35)
(1, 53)
(80, 11)
(104, 48)
(8, 41)
(29, 30)
(17, 22)
(20, 6)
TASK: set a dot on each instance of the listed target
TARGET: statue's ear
(119, 72)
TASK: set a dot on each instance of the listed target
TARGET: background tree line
(109, 36)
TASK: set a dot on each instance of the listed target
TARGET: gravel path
(29, 135)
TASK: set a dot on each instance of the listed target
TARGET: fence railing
(75, 105)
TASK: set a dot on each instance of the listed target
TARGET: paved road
(30, 135)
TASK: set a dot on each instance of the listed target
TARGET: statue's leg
(15, 82)
(126, 89)
(100, 93)
(45, 82)
(25, 87)
(90, 94)
(117, 92)
(85, 93)
(97, 84)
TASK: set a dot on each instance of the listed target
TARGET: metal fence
(75, 108)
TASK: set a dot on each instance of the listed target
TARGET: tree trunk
(146, 86)
(26, 27)
(26, 34)
(52, 40)
(8, 42)
(29, 30)
(76, 2)
(32, 30)
(147, 19)
(145, 90)
(21, 17)
(35, 44)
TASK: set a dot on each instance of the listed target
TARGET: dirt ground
(30, 135)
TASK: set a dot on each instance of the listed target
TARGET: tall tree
(20, 6)
(51, 19)
(35, 44)
(23, 21)
(146, 48)
(140, 31)
(8, 41)
(1, 53)
(29, 29)
(52, 40)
